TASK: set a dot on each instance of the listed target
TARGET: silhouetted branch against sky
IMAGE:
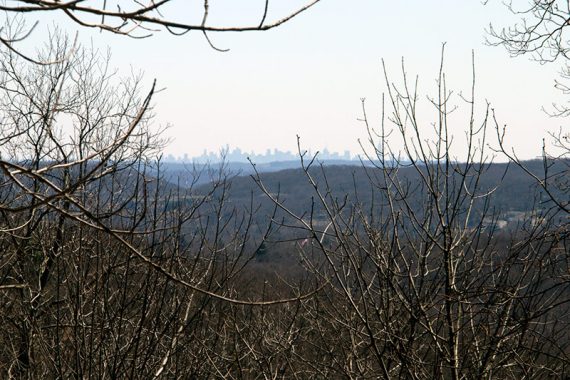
(304, 77)
(540, 29)
(140, 19)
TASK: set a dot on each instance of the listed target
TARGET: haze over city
(284, 189)
(307, 77)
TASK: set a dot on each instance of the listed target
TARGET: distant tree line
(107, 270)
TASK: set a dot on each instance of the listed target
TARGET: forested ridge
(413, 265)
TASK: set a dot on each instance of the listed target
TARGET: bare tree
(542, 32)
(423, 284)
(138, 19)
(106, 268)
(110, 270)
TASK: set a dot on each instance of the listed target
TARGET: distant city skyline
(307, 77)
(237, 154)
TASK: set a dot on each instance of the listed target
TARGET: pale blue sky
(307, 76)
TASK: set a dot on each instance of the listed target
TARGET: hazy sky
(307, 77)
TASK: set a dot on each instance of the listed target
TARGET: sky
(308, 76)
